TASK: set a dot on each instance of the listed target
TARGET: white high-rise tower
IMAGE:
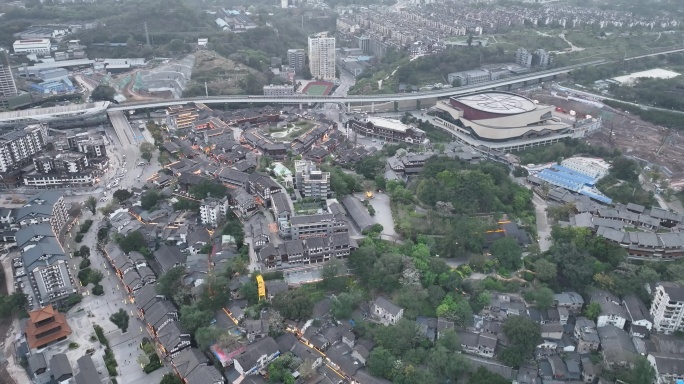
(322, 56)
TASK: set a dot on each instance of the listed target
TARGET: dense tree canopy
(507, 252)
(103, 93)
(295, 304)
(524, 335)
(472, 188)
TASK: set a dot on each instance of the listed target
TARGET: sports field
(318, 88)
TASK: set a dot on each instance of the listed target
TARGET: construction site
(635, 138)
(167, 80)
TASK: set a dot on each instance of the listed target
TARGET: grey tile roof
(674, 290)
(636, 309)
(31, 257)
(189, 359)
(24, 235)
(358, 212)
(60, 366)
(37, 362)
(264, 347)
(171, 336)
(87, 372)
(146, 296)
(169, 256)
(617, 345)
(610, 304)
(160, 312)
(387, 305)
(273, 287)
(668, 364)
(204, 374)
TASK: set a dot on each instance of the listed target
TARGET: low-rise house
(37, 364)
(552, 331)
(242, 203)
(256, 329)
(274, 287)
(590, 371)
(87, 372)
(669, 368)
(558, 369)
(386, 311)
(160, 314)
(481, 344)
(172, 340)
(289, 343)
(263, 186)
(340, 357)
(617, 346)
(586, 335)
(197, 239)
(233, 178)
(192, 366)
(257, 356)
(60, 368)
(611, 310)
(168, 256)
(427, 327)
(572, 301)
(640, 321)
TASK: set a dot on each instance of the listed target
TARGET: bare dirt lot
(631, 135)
(222, 75)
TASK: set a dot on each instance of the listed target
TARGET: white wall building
(322, 56)
(212, 210)
(42, 46)
(278, 90)
(19, 146)
(595, 168)
(311, 181)
(667, 307)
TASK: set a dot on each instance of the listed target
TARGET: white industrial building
(594, 168)
(42, 46)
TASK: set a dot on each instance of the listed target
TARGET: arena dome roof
(498, 102)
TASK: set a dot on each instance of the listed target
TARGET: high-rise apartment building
(322, 56)
(296, 58)
(523, 57)
(667, 307)
(544, 57)
(19, 146)
(8, 87)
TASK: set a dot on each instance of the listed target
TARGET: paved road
(383, 213)
(543, 227)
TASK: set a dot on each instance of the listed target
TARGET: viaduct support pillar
(372, 106)
(348, 107)
(301, 106)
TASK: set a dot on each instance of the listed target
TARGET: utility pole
(147, 36)
(206, 90)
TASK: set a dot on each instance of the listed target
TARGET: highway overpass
(366, 99)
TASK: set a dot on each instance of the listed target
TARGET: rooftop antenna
(147, 35)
